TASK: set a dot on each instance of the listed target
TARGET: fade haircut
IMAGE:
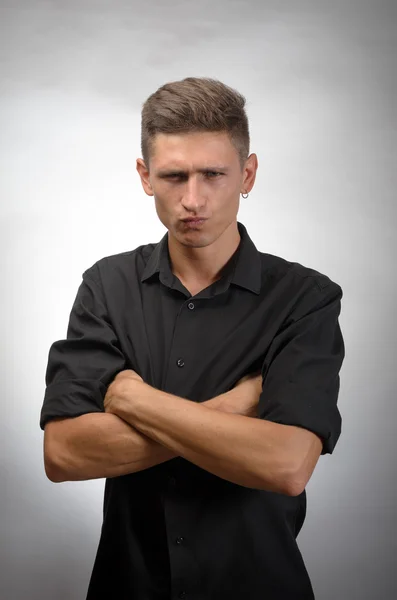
(195, 104)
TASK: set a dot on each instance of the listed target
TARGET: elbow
(294, 487)
(53, 468)
(52, 472)
(289, 484)
(287, 480)
(52, 451)
(300, 468)
(294, 483)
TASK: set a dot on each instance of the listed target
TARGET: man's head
(195, 145)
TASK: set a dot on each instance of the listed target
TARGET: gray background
(320, 81)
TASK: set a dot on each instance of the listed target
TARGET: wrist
(213, 402)
(221, 402)
(128, 397)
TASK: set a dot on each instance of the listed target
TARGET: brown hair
(195, 104)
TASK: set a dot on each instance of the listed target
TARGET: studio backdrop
(320, 82)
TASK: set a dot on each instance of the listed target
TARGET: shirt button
(180, 362)
(172, 481)
(179, 540)
(190, 305)
(182, 595)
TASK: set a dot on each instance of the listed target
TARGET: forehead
(192, 150)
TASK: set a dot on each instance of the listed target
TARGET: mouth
(193, 222)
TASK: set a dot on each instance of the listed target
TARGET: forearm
(102, 445)
(249, 452)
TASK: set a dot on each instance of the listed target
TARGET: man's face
(194, 175)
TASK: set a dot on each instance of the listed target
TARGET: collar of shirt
(243, 268)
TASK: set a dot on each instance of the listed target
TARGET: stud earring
(245, 195)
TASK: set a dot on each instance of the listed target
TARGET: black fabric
(265, 312)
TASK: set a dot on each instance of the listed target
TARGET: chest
(195, 347)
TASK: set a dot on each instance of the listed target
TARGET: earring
(245, 195)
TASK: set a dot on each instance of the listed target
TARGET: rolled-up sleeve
(81, 367)
(301, 378)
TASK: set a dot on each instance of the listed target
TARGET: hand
(243, 398)
(129, 373)
(253, 379)
(121, 389)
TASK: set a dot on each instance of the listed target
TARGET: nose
(192, 195)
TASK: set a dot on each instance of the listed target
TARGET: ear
(144, 175)
(249, 173)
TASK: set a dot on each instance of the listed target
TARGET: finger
(126, 373)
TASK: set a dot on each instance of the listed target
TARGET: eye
(213, 174)
(175, 177)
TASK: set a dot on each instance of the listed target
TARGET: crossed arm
(250, 452)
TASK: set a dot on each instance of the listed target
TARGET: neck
(203, 265)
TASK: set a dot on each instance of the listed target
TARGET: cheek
(167, 197)
(228, 192)
(227, 187)
(165, 209)
(163, 202)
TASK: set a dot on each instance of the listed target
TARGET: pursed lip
(193, 219)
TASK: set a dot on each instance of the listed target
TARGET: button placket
(180, 540)
(180, 362)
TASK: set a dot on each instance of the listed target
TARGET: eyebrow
(181, 172)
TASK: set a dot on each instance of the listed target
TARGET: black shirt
(175, 530)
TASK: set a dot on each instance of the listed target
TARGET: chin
(193, 239)
(196, 243)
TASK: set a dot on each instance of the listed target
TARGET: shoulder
(280, 269)
(297, 289)
(123, 264)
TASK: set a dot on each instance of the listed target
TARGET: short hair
(195, 104)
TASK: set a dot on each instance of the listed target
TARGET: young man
(150, 389)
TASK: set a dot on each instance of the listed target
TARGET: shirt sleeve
(301, 369)
(81, 367)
